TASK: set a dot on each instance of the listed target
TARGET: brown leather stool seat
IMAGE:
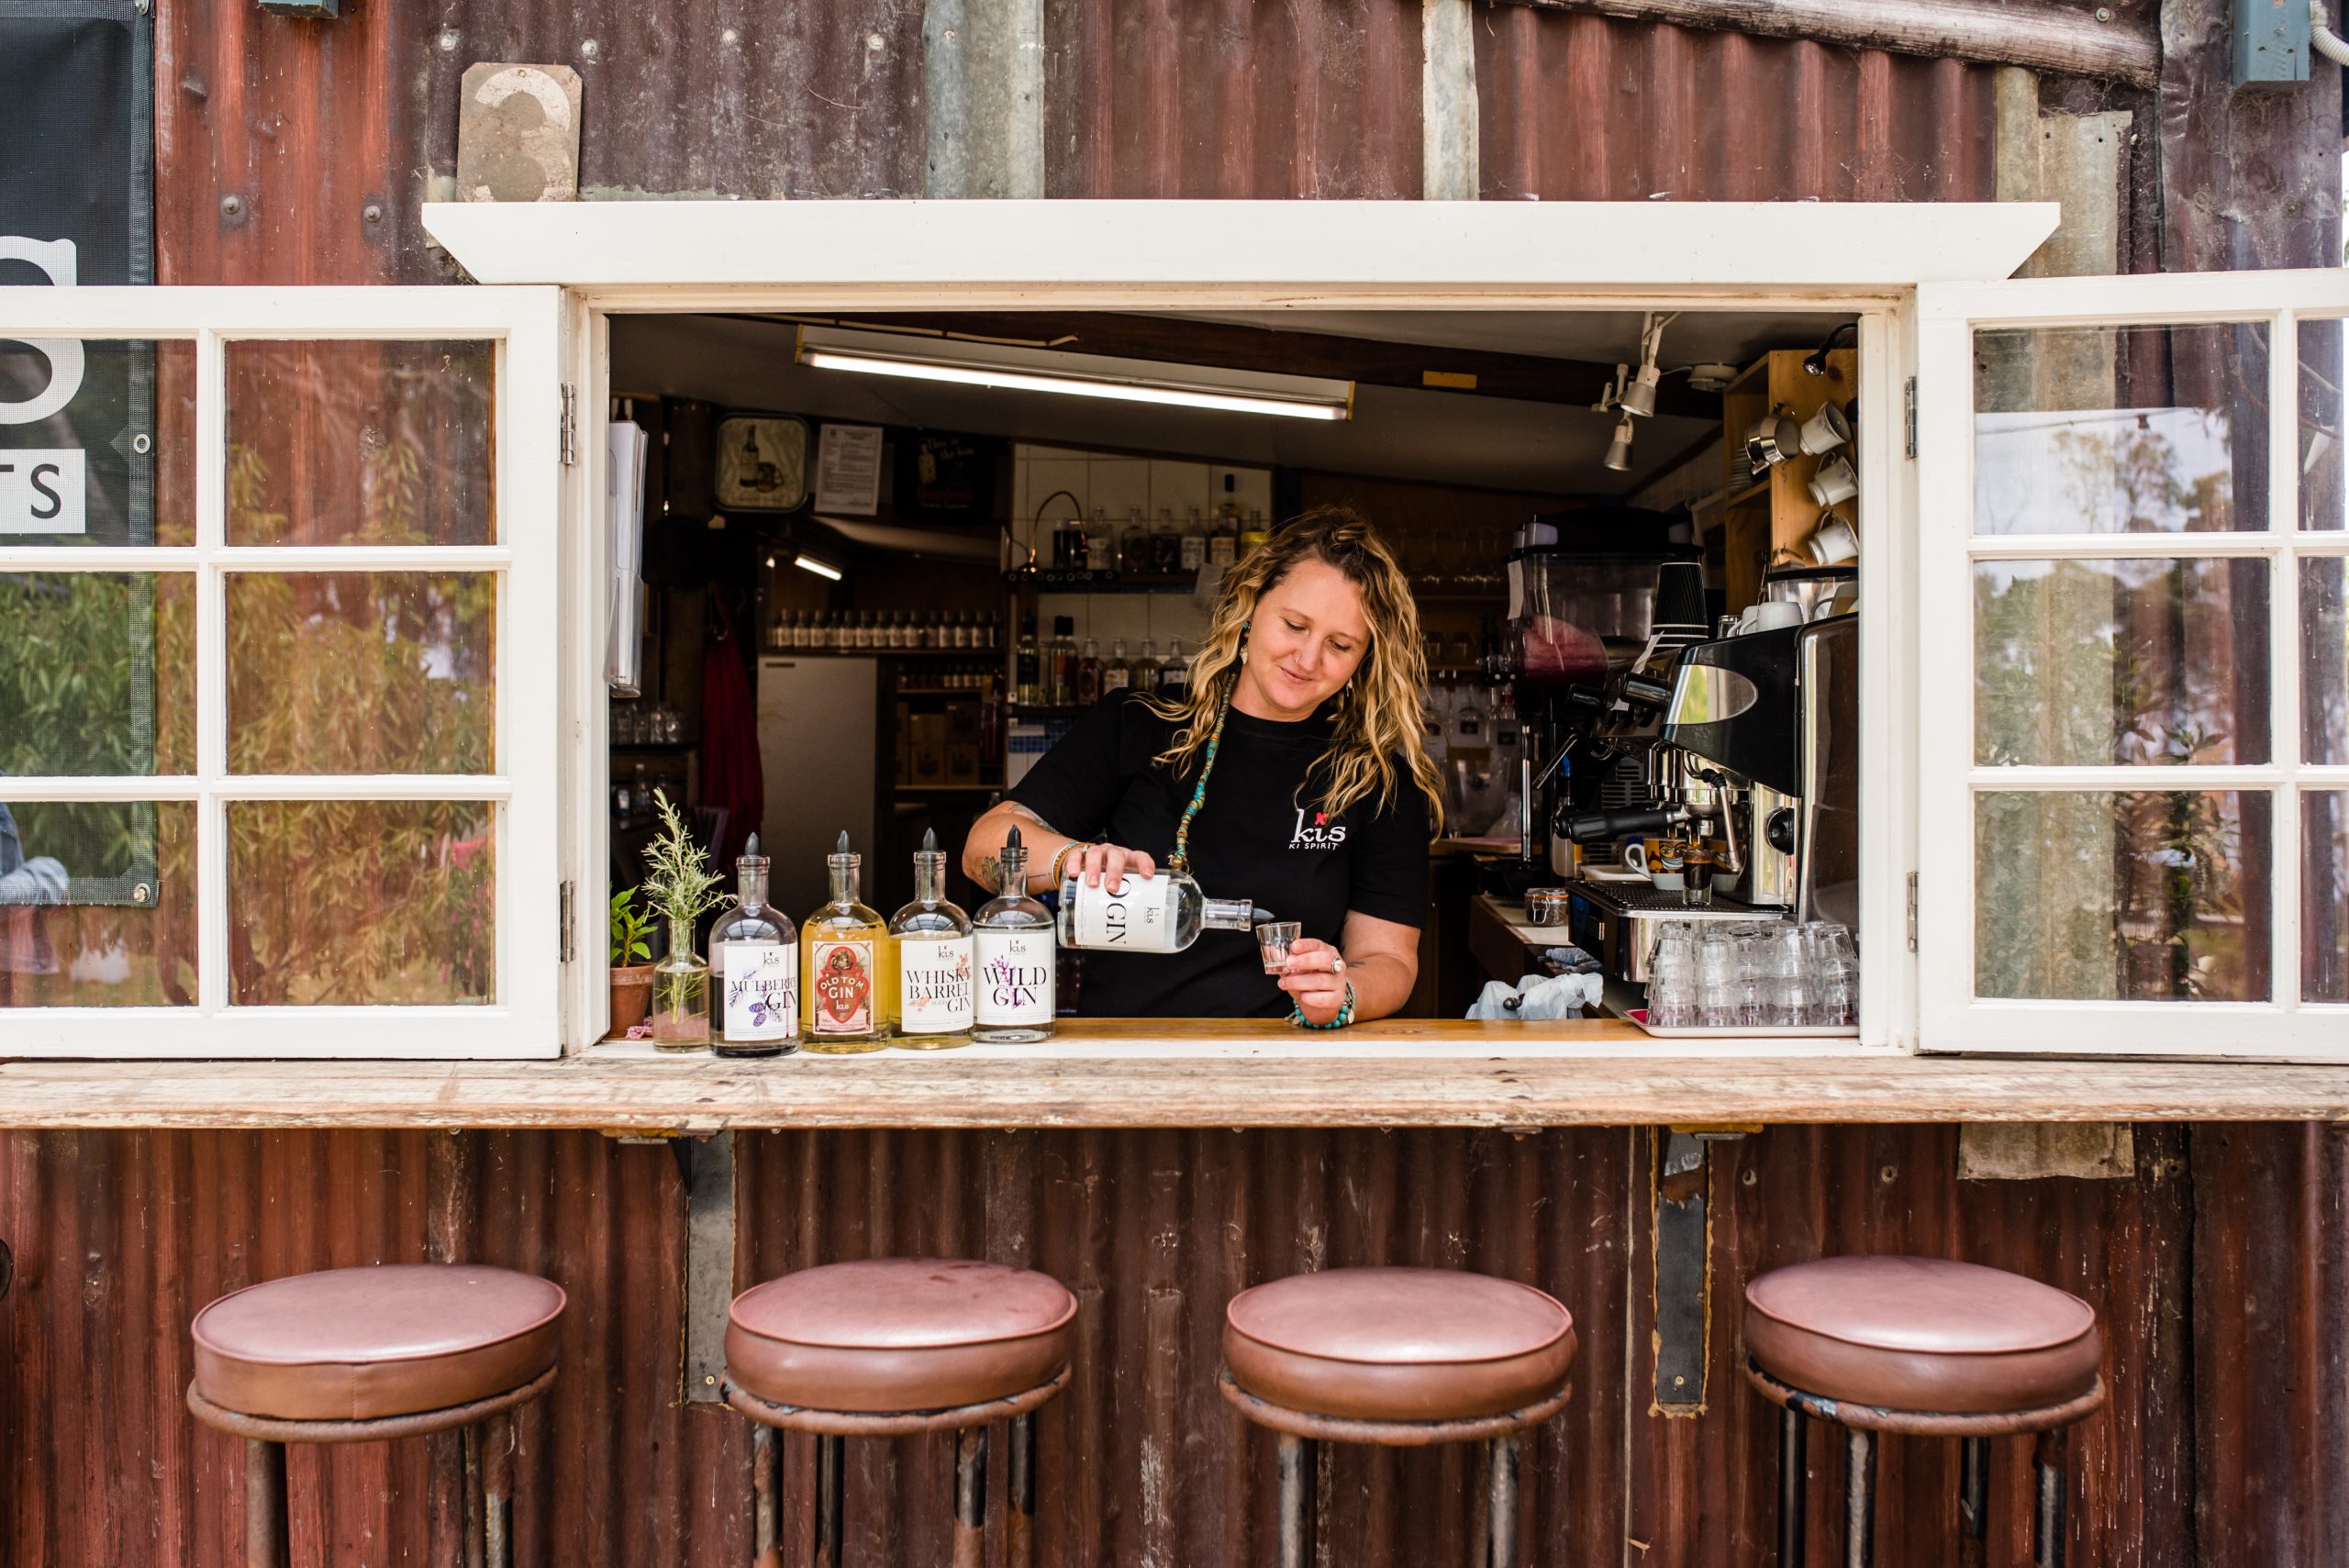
(1921, 1334)
(362, 1344)
(891, 1334)
(1393, 1344)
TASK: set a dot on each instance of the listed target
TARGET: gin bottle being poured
(1165, 913)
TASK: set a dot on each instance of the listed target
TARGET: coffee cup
(1834, 483)
(1769, 616)
(1833, 542)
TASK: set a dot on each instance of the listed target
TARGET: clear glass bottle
(1165, 913)
(1027, 667)
(936, 972)
(1165, 544)
(1101, 544)
(1255, 537)
(848, 970)
(680, 993)
(1146, 668)
(755, 969)
(1133, 549)
(1059, 662)
(1084, 683)
(1116, 671)
(1174, 672)
(1016, 954)
(1223, 540)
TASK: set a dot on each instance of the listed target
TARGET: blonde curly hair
(1379, 715)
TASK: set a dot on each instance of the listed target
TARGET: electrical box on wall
(2271, 42)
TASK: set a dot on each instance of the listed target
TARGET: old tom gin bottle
(755, 969)
(1014, 936)
(848, 985)
(934, 963)
(1165, 913)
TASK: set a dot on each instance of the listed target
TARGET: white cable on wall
(2322, 37)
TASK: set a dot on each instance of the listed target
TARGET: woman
(1303, 717)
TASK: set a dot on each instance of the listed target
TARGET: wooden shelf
(949, 789)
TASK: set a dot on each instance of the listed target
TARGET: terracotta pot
(631, 997)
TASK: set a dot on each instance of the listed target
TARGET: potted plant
(681, 888)
(631, 963)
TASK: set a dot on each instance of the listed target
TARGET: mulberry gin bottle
(1014, 939)
(848, 973)
(934, 958)
(755, 969)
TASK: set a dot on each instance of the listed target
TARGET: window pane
(97, 905)
(2322, 490)
(358, 902)
(115, 464)
(2130, 429)
(98, 672)
(361, 443)
(2137, 895)
(2324, 897)
(2324, 661)
(2089, 663)
(362, 671)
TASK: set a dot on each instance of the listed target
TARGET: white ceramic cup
(1769, 616)
(1635, 855)
(1834, 540)
(1834, 483)
(1825, 430)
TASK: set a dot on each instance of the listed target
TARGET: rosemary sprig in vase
(681, 888)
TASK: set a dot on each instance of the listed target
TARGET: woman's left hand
(1316, 978)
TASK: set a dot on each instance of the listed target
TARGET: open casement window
(2133, 724)
(278, 672)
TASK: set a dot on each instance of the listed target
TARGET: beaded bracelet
(1346, 1014)
(1062, 859)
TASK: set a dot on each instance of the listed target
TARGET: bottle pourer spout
(751, 850)
(929, 841)
(843, 844)
(1011, 840)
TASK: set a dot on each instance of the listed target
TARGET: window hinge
(563, 914)
(1912, 911)
(1909, 397)
(570, 424)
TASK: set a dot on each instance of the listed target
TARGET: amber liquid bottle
(847, 969)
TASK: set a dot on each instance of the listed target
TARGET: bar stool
(362, 1355)
(1925, 1347)
(889, 1346)
(1403, 1358)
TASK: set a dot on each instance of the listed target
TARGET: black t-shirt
(1259, 836)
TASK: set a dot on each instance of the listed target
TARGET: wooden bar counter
(1183, 1074)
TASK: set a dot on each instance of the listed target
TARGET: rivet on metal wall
(1749, 1178)
(2104, 13)
(372, 213)
(590, 49)
(232, 206)
(729, 35)
(449, 40)
(1889, 1174)
(875, 42)
(141, 444)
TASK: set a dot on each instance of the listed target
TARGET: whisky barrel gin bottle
(935, 979)
(755, 969)
(1013, 934)
(848, 975)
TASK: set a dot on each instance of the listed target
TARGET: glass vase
(681, 995)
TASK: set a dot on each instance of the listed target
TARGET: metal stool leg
(266, 1542)
(1859, 1500)
(1020, 1514)
(832, 1482)
(1974, 1503)
(2047, 1533)
(1794, 1496)
(1500, 1502)
(970, 1497)
(1296, 1501)
(498, 1491)
(766, 1496)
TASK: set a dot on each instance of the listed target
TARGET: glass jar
(680, 994)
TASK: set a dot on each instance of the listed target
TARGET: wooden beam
(1527, 377)
(2063, 42)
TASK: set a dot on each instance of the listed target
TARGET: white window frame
(1952, 1017)
(529, 327)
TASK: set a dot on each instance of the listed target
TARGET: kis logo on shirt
(1318, 834)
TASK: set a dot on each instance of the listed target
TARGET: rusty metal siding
(2218, 1271)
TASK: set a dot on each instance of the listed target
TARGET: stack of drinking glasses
(1722, 975)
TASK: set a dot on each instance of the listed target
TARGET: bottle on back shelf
(848, 970)
(1100, 545)
(755, 969)
(1165, 913)
(1194, 542)
(1255, 535)
(1175, 673)
(1060, 663)
(935, 968)
(1117, 672)
(1146, 668)
(1087, 679)
(1013, 935)
(1133, 548)
(1165, 545)
(1026, 665)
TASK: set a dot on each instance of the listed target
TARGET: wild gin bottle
(755, 969)
(848, 987)
(1148, 914)
(934, 961)
(1014, 937)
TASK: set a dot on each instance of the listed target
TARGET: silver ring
(1337, 963)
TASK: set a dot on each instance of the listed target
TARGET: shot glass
(1272, 939)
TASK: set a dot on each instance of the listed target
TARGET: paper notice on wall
(847, 469)
(625, 448)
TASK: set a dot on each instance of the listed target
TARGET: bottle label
(1015, 977)
(762, 999)
(843, 980)
(1137, 918)
(934, 987)
(1195, 552)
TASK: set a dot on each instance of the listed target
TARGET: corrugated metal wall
(2220, 1268)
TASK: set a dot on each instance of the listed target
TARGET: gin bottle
(1014, 937)
(755, 969)
(935, 982)
(848, 990)
(1165, 913)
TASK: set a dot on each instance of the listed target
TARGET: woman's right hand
(1100, 865)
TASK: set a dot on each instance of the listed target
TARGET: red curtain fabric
(731, 779)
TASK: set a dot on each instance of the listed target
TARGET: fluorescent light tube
(912, 358)
(809, 563)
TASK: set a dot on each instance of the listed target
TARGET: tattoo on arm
(990, 871)
(1025, 815)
